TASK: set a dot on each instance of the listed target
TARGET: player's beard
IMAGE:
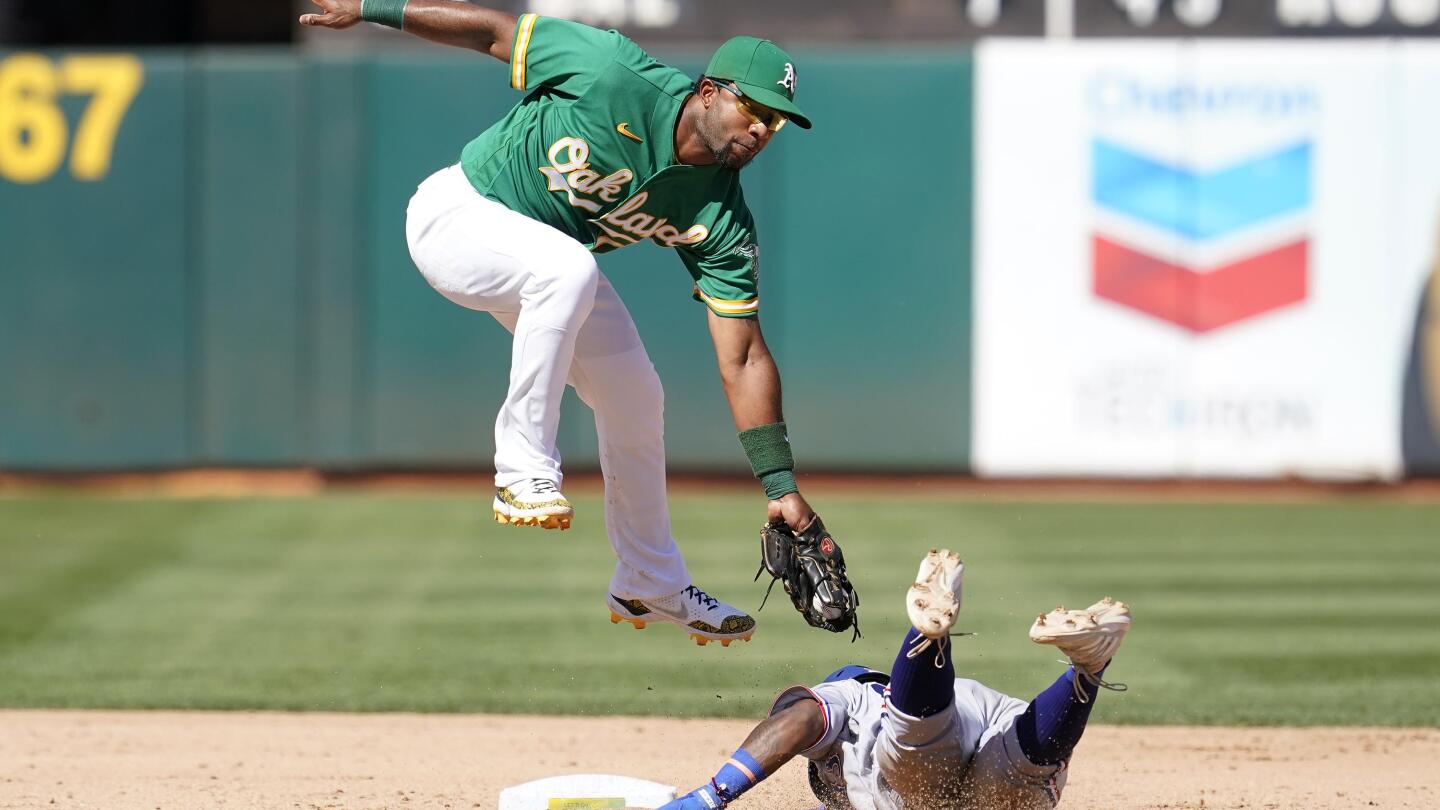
(736, 158)
(726, 151)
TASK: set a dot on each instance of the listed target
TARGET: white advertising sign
(1188, 259)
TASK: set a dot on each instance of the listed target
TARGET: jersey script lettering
(569, 171)
(628, 224)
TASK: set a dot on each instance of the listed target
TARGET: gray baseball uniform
(967, 757)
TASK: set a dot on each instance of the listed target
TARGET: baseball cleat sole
(724, 642)
(1089, 637)
(700, 639)
(933, 602)
(560, 522)
(616, 618)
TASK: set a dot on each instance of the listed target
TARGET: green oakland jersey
(591, 152)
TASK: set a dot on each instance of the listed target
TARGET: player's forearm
(748, 372)
(444, 21)
(752, 387)
(785, 734)
(772, 743)
(462, 25)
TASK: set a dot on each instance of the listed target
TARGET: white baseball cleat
(1089, 637)
(933, 602)
(706, 618)
(533, 502)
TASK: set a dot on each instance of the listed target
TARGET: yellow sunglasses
(772, 119)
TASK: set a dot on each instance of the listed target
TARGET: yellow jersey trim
(518, 51)
(726, 307)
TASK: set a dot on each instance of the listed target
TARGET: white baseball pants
(569, 325)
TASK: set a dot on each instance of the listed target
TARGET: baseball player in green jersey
(608, 148)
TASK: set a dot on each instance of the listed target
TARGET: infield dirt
(162, 760)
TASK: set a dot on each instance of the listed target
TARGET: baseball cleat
(1089, 638)
(705, 618)
(532, 502)
(933, 602)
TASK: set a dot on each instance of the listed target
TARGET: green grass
(1249, 614)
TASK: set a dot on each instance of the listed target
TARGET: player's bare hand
(337, 14)
(792, 509)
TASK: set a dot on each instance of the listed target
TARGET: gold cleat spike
(614, 617)
(724, 642)
(560, 522)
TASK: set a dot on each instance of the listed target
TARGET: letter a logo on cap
(789, 81)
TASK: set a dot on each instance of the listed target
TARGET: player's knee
(569, 271)
(632, 401)
(648, 392)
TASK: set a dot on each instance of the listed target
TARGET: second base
(585, 791)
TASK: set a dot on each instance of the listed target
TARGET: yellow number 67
(33, 130)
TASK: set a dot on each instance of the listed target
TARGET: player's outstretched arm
(772, 744)
(752, 387)
(449, 23)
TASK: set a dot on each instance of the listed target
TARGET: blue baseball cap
(856, 672)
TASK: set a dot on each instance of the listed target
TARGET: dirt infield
(164, 760)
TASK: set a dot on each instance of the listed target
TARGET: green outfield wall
(202, 262)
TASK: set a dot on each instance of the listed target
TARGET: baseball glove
(812, 567)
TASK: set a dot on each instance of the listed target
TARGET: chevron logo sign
(1201, 249)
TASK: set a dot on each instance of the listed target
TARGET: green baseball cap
(762, 71)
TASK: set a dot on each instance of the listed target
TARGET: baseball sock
(918, 687)
(1053, 722)
(740, 773)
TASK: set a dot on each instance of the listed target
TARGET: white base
(552, 793)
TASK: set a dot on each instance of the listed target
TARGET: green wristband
(385, 12)
(779, 484)
(768, 449)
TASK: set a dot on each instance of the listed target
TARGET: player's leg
(613, 374)
(922, 680)
(486, 257)
(1054, 721)
(1022, 761)
(926, 737)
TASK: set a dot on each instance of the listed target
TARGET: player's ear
(707, 90)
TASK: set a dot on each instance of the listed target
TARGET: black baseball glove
(813, 569)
